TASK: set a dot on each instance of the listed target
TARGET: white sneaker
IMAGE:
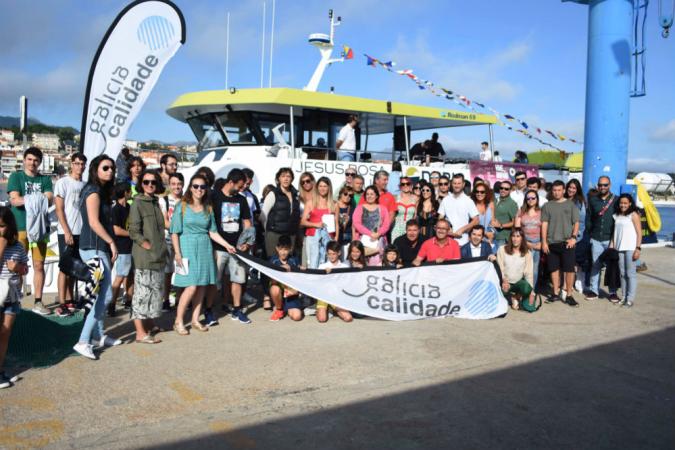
(107, 341)
(85, 350)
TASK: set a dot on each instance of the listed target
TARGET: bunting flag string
(520, 126)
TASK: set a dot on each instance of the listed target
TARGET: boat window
(237, 130)
(206, 131)
(268, 122)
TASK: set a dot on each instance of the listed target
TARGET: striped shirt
(13, 252)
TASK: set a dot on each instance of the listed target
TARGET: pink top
(358, 223)
(531, 226)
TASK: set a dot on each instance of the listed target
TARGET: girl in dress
(192, 229)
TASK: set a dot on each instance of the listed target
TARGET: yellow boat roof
(376, 116)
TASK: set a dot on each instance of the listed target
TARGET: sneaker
(63, 311)
(107, 341)
(40, 309)
(614, 298)
(85, 350)
(578, 286)
(209, 319)
(554, 298)
(571, 302)
(239, 315)
(641, 268)
(7, 380)
(590, 295)
(277, 315)
(71, 306)
(627, 304)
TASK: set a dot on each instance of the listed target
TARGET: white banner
(468, 290)
(128, 62)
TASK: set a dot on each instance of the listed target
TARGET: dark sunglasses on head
(107, 168)
(603, 184)
(203, 187)
(149, 182)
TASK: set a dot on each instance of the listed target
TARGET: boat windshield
(239, 128)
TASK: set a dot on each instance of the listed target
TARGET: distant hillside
(9, 121)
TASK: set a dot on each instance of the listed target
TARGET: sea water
(667, 213)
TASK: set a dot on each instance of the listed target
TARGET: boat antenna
(262, 50)
(325, 45)
(274, 4)
(227, 52)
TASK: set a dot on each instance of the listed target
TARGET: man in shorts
(67, 202)
(26, 182)
(559, 229)
(233, 216)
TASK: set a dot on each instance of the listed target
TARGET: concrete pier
(598, 376)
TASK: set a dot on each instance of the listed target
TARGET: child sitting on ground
(286, 300)
(333, 250)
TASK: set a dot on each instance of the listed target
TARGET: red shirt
(431, 250)
(387, 200)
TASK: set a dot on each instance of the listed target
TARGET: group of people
(151, 232)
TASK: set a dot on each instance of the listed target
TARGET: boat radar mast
(325, 45)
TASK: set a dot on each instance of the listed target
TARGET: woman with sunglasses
(193, 227)
(483, 199)
(529, 220)
(427, 210)
(149, 250)
(344, 211)
(371, 221)
(406, 208)
(318, 219)
(306, 194)
(96, 240)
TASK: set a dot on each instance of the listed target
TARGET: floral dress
(404, 212)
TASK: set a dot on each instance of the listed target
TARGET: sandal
(147, 339)
(180, 329)
(199, 327)
(267, 303)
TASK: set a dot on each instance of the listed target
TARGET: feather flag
(347, 52)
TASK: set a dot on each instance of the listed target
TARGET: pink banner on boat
(500, 171)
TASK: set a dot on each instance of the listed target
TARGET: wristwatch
(638, 248)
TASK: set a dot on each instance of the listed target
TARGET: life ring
(652, 214)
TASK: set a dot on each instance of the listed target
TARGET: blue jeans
(316, 248)
(597, 247)
(93, 324)
(628, 275)
(536, 256)
(345, 155)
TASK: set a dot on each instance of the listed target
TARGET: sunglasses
(350, 174)
(480, 192)
(426, 190)
(306, 181)
(505, 188)
(443, 184)
(202, 187)
(405, 184)
(150, 183)
(107, 168)
(347, 194)
(603, 185)
(531, 198)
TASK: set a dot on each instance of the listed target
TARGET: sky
(526, 58)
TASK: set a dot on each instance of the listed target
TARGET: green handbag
(525, 305)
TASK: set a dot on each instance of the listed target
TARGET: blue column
(608, 75)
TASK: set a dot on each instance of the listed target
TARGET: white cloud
(651, 165)
(664, 133)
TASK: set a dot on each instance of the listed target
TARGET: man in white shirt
(497, 158)
(518, 192)
(485, 154)
(67, 206)
(459, 210)
(346, 141)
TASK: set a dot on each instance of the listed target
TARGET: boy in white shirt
(333, 250)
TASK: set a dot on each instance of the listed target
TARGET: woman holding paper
(371, 222)
(192, 229)
(320, 222)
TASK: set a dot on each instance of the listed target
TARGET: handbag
(525, 305)
(71, 264)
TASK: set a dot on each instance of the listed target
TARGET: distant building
(7, 135)
(131, 145)
(45, 141)
(70, 146)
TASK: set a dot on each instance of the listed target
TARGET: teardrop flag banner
(463, 289)
(125, 69)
